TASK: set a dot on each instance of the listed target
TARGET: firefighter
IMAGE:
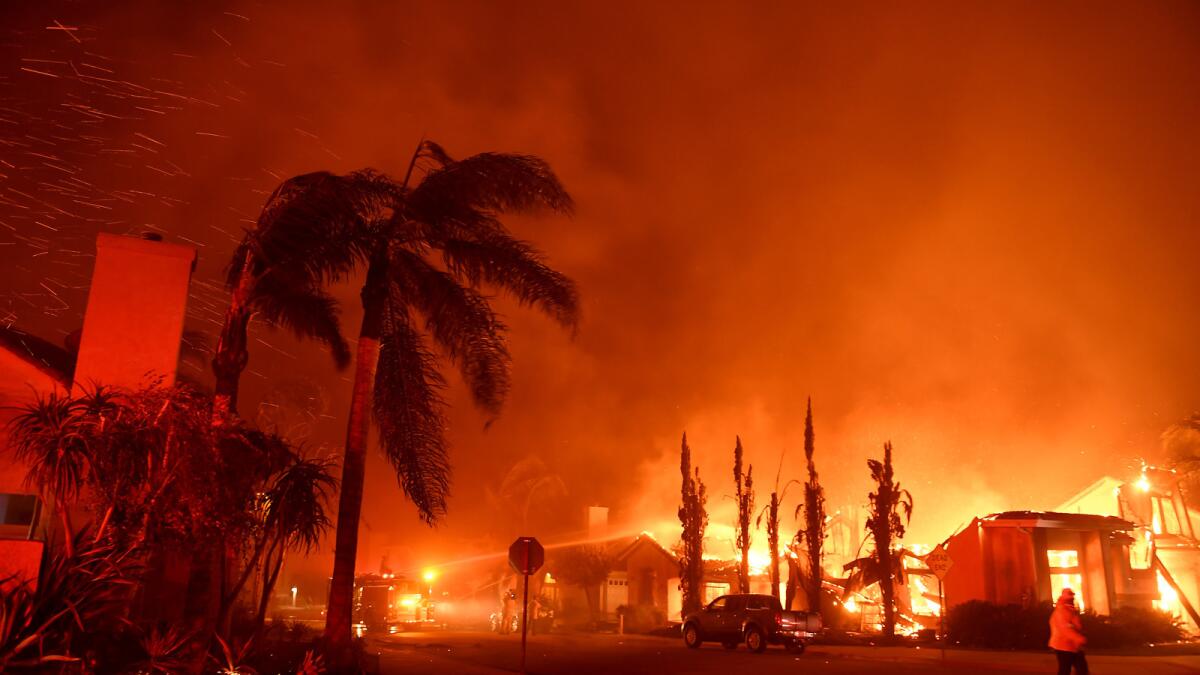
(510, 607)
(1066, 635)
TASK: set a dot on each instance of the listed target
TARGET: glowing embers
(1168, 598)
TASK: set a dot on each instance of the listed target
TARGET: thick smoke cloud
(970, 231)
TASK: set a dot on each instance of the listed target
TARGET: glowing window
(1065, 573)
(1062, 558)
(713, 590)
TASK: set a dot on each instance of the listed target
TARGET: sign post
(525, 556)
(939, 562)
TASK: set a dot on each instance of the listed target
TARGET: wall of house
(649, 572)
(1010, 569)
(135, 311)
(20, 382)
(965, 579)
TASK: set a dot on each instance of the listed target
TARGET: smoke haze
(967, 230)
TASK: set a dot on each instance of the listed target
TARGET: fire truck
(389, 603)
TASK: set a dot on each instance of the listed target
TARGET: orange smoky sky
(967, 228)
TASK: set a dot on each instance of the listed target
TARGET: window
(717, 605)
(1065, 573)
(714, 590)
(17, 509)
(759, 602)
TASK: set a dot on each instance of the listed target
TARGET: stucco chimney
(134, 320)
(597, 522)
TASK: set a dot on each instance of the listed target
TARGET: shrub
(642, 618)
(77, 596)
(1131, 627)
(985, 624)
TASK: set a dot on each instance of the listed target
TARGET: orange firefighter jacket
(1066, 629)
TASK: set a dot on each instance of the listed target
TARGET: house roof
(1055, 520)
(1103, 485)
(643, 539)
(51, 359)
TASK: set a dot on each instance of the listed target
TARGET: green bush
(985, 624)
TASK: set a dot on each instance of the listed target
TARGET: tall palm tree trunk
(340, 608)
(887, 589)
(232, 353)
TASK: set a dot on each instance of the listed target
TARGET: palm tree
(301, 240)
(294, 518)
(1181, 445)
(891, 510)
(527, 482)
(744, 496)
(394, 230)
(770, 513)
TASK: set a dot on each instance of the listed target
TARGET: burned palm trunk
(694, 519)
(814, 516)
(789, 595)
(773, 542)
(891, 509)
(744, 482)
(232, 353)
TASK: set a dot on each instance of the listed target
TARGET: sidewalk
(1022, 662)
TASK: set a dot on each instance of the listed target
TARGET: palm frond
(318, 222)
(461, 321)
(516, 267)
(494, 182)
(297, 499)
(307, 310)
(408, 411)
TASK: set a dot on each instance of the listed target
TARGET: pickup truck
(757, 620)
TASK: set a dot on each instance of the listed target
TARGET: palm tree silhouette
(301, 240)
(427, 249)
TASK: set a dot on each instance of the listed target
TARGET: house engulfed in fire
(1165, 552)
(1116, 544)
(1028, 557)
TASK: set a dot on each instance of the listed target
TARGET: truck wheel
(691, 636)
(730, 645)
(756, 641)
(795, 647)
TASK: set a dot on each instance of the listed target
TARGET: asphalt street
(469, 653)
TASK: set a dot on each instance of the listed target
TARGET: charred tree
(585, 566)
(694, 520)
(891, 510)
(814, 516)
(771, 514)
(744, 482)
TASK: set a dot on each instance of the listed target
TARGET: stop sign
(526, 555)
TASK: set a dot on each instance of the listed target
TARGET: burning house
(1116, 544)
(1028, 557)
(1165, 552)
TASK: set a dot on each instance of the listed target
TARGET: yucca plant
(165, 651)
(76, 594)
